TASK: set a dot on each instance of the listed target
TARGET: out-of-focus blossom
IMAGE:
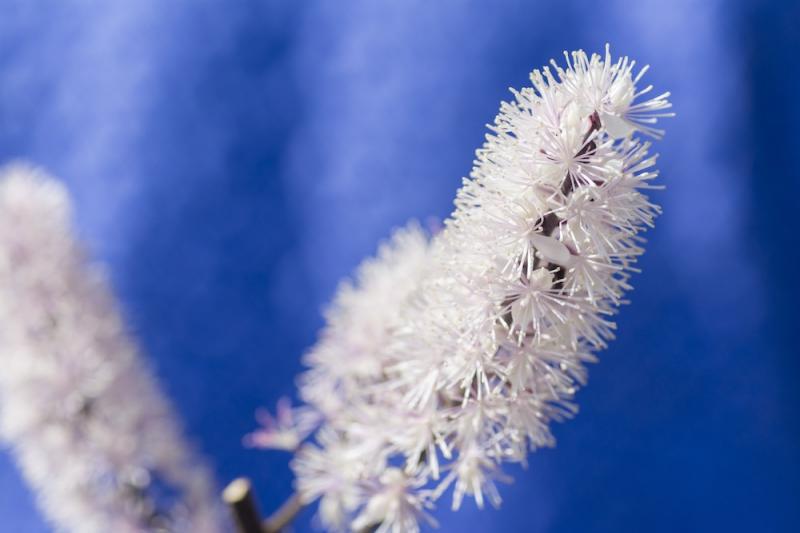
(93, 435)
(285, 431)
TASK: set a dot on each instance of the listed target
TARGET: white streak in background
(706, 199)
(362, 161)
(83, 86)
(91, 432)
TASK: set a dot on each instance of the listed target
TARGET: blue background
(230, 161)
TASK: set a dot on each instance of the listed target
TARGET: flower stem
(285, 514)
(241, 499)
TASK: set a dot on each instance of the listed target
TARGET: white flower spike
(451, 356)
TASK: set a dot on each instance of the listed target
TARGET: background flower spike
(94, 437)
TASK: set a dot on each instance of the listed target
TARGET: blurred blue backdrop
(230, 161)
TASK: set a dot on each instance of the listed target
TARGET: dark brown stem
(589, 148)
(550, 222)
(241, 499)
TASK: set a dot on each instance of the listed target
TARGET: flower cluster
(90, 430)
(452, 356)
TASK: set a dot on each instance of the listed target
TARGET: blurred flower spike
(93, 435)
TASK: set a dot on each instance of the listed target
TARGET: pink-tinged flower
(287, 430)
